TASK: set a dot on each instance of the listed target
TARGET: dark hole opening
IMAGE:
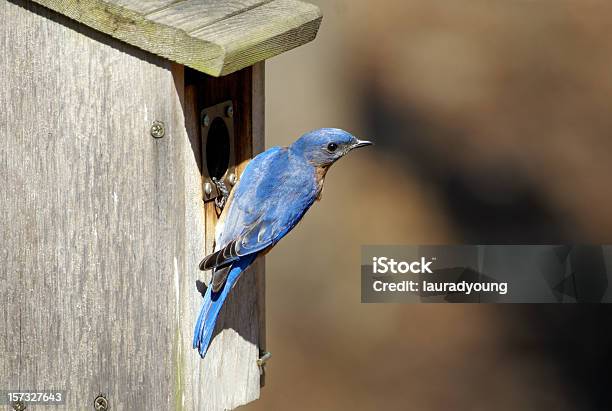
(217, 148)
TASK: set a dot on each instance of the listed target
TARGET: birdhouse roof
(216, 37)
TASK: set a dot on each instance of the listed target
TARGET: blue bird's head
(325, 146)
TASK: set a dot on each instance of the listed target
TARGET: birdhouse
(124, 124)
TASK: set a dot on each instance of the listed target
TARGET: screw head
(205, 120)
(207, 188)
(232, 178)
(158, 129)
(101, 403)
(229, 111)
(19, 406)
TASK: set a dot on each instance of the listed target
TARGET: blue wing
(271, 197)
(273, 193)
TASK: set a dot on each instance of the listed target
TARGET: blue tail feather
(211, 306)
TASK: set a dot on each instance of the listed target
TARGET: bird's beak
(361, 143)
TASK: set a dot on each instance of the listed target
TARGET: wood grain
(191, 15)
(103, 226)
(216, 37)
(90, 212)
(231, 359)
(258, 129)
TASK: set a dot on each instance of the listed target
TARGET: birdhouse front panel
(94, 264)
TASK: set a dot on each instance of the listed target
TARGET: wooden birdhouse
(123, 124)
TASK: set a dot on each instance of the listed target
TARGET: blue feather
(211, 306)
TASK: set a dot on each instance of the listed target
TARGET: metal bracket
(218, 150)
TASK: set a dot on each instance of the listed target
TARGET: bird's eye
(332, 147)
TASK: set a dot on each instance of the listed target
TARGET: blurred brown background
(492, 125)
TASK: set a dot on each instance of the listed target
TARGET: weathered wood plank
(281, 24)
(89, 237)
(10, 269)
(190, 15)
(229, 374)
(258, 127)
(91, 211)
(213, 36)
(145, 7)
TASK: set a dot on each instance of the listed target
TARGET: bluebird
(274, 192)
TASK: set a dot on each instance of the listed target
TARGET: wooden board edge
(133, 28)
(287, 28)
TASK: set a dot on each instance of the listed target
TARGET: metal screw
(261, 361)
(207, 188)
(19, 406)
(229, 111)
(205, 120)
(158, 129)
(101, 403)
(232, 179)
